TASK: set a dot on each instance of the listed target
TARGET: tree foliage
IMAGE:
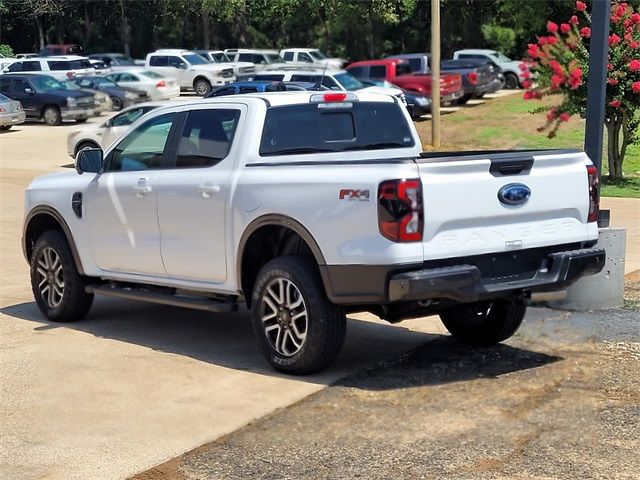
(559, 62)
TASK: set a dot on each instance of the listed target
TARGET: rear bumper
(12, 118)
(466, 279)
(464, 283)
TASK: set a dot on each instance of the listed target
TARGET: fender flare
(281, 221)
(52, 212)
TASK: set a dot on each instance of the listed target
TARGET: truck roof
(485, 51)
(300, 49)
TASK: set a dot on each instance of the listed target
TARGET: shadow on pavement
(227, 340)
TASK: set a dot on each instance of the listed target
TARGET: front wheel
(299, 330)
(485, 323)
(52, 116)
(57, 286)
(511, 81)
(202, 87)
(116, 104)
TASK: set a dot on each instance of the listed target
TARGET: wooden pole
(435, 73)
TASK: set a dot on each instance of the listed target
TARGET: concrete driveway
(134, 384)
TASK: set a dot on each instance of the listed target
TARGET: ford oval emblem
(514, 194)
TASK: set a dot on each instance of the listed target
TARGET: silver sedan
(11, 113)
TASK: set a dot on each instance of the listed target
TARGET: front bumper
(76, 113)
(12, 118)
(464, 283)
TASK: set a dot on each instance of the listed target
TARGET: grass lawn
(506, 122)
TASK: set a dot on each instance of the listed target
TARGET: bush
(502, 39)
(6, 50)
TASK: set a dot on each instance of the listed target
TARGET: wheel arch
(263, 232)
(39, 220)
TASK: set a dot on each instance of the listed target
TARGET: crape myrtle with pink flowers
(558, 64)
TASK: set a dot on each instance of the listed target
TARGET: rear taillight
(400, 212)
(2, 110)
(161, 83)
(594, 193)
(473, 77)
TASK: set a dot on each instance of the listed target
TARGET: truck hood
(211, 67)
(69, 180)
(333, 62)
(384, 90)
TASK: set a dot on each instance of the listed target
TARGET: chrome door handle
(142, 188)
(208, 190)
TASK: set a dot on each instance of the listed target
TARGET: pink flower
(614, 39)
(581, 6)
(552, 27)
(576, 73)
(556, 67)
(615, 103)
(564, 117)
(526, 84)
(556, 81)
(551, 40)
(575, 82)
(542, 41)
(565, 28)
(612, 81)
(573, 20)
(585, 32)
(621, 10)
(528, 95)
(614, 19)
(634, 44)
(635, 86)
(609, 66)
(533, 50)
(635, 18)
(634, 65)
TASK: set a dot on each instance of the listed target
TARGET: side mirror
(182, 66)
(5, 70)
(89, 160)
(29, 91)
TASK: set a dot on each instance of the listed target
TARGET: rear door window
(158, 61)
(358, 71)
(288, 56)
(300, 129)
(59, 65)
(402, 69)
(378, 71)
(31, 66)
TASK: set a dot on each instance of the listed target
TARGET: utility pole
(435, 73)
(597, 81)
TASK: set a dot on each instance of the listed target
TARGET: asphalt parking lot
(135, 385)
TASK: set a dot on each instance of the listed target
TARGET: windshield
(220, 57)
(502, 58)
(300, 129)
(150, 74)
(317, 55)
(43, 83)
(123, 60)
(70, 85)
(273, 58)
(348, 81)
(195, 59)
(4, 99)
(103, 82)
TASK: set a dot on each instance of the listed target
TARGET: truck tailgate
(464, 214)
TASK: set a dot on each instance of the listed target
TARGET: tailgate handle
(511, 167)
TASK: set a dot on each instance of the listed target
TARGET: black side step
(197, 303)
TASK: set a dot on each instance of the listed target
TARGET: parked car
(190, 70)
(101, 101)
(60, 68)
(338, 80)
(11, 113)
(114, 61)
(242, 70)
(155, 85)
(5, 62)
(121, 97)
(104, 134)
(61, 49)
(417, 104)
(261, 59)
(247, 87)
(513, 74)
(43, 97)
(320, 204)
(99, 67)
(398, 72)
(311, 55)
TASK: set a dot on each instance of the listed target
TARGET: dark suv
(43, 97)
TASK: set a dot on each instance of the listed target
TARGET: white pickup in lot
(305, 206)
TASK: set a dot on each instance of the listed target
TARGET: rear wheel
(511, 81)
(299, 330)
(116, 104)
(57, 286)
(202, 86)
(485, 323)
(51, 116)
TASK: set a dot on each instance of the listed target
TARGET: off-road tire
(325, 322)
(485, 323)
(75, 302)
(51, 116)
(202, 86)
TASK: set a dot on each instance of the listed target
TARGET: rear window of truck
(300, 129)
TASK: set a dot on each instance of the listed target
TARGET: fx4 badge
(351, 194)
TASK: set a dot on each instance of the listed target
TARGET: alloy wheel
(284, 317)
(50, 277)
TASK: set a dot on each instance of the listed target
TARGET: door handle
(208, 190)
(142, 188)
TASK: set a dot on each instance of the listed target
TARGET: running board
(197, 303)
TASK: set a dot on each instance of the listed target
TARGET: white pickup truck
(305, 206)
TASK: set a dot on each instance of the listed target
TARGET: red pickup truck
(397, 71)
